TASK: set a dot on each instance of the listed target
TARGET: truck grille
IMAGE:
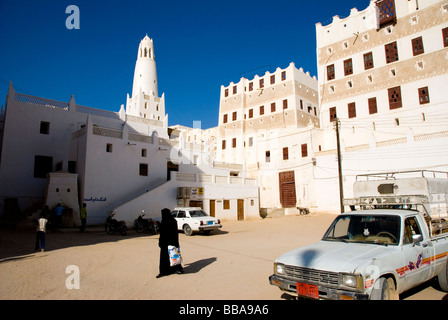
(312, 275)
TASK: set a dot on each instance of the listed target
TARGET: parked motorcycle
(113, 225)
(144, 225)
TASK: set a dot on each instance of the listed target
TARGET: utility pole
(341, 184)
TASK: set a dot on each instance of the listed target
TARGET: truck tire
(443, 277)
(384, 289)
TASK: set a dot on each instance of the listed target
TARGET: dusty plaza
(233, 263)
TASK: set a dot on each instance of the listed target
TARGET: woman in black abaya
(169, 236)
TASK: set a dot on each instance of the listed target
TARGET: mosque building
(380, 92)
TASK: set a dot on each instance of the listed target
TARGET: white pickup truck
(395, 238)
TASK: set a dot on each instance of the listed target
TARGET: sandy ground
(232, 263)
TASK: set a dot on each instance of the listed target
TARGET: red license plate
(307, 290)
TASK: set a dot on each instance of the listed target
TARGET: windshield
(197, 213)
(374, 229)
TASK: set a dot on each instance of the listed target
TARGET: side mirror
(417, 238)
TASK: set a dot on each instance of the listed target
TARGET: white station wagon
(194, 219)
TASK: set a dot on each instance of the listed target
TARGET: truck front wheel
(443, 277)
(384, 289)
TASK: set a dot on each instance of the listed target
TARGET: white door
(417, 263)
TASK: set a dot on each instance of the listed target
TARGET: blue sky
(199, 46)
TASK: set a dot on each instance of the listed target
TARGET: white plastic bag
(175, 257)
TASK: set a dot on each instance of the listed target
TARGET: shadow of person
(198, 265)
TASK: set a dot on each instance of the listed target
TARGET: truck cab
(376, 251)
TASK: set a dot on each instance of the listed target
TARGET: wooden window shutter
(445, 37)
(352, 110)
(423, 95)
(330, 72)
(333, 115)
(261, 110)
(417, 46)
(391, 52)
(224, 120)
(394, 98)
(285, 153)
(348, 67)
(372, 106)
(368, 61)
(273, 107)
(386, 11)
(304, 148)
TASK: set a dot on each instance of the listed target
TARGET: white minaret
(145, 75)
(145, 101)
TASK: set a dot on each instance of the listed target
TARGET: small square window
(44, 127)
(109, 147)
(144, 153)
(268, 156)
(143, 169)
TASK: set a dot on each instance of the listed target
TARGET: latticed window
(423, 95)
(348, 67)
(391, 52)
(387, 12)
(417, 46)
(394, 98)
(368, 61)
(330, 72)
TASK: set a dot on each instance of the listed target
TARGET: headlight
(353, 281)
(279, 269)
